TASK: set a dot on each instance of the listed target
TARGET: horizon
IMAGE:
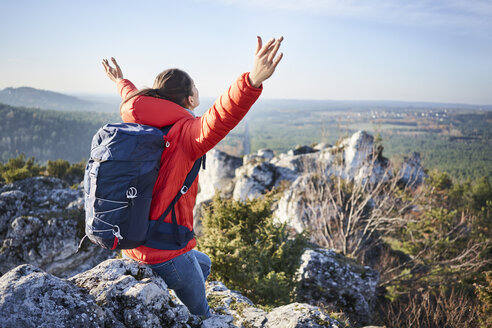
(425, 51)
(93, 97)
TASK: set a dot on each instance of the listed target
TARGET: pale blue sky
(344, 50)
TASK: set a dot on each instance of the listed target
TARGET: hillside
(47, 134)
(31, 97)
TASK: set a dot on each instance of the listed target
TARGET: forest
(455, 141)
(48, 135)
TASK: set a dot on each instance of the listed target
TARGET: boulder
(359, 160)
(301, 150)
(290, 208)
(300, 315)
(411, 171)
(218, 175)
(42, 223)
(30, 297)
(254, 180)
(338, 283)
(132, 296)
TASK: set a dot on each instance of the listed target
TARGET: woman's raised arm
(204, 133)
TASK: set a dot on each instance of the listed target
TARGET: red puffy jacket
(189, 138)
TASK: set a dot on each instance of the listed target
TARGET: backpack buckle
(184, 190)
(116, 232)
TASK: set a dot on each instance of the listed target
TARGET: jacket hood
(164, 111)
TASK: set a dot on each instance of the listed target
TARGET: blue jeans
(186, 275)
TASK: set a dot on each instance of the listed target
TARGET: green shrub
(484, 294)
(19, 168)
(72, 173)
(440, 180)
(249, 251)
(16, 174)
(57, 168)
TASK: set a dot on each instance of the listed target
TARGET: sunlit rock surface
(42, 223)
(335, 281)
(122, 293)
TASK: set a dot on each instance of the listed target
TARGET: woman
(171, 101)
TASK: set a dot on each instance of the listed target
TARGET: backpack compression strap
(175, 236)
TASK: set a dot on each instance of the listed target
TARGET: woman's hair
(173, 84)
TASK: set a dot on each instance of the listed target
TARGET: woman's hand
(265, 61)
(114, 73)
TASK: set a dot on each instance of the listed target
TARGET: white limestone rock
(133, 295)
(333, 280)
(299, 315)
(218, 175)
(411, 172)
(30, 297)
(41, 223)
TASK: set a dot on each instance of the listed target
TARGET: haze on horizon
(423, 50)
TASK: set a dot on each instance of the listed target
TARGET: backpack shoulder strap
(173, 236)
(179, 236)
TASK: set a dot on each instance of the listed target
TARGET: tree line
(46, 134)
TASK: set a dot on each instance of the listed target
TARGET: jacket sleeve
(125, 88)
(203, 133)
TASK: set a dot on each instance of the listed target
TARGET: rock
(240, 309)
(359, 160)
(290, 207)
(218, 175)
(42, 223)
(335, 281)
(301, 150)
(411, 172)
(243, 313)
(253, 181)
(30, 297)
(260, 172)
(262, 155)
(121, 293)
(267, 154)
(132, 296)
(297, 315)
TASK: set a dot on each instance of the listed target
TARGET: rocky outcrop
(42, 223)
(121, 293)
(411, 171)
(132, 296)
(338, 283)
(30, 297)
(360, 161)
(239, 311)
(353, 158)
(218, 175)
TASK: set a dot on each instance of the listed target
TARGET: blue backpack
(118, 183)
